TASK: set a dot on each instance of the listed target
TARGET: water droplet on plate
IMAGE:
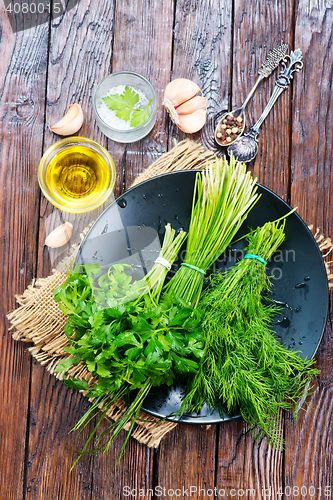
(307, 278)
(300, 285)
(281, 303)
(122, 203)
(160, 195)
(105, 229)
(283, 322)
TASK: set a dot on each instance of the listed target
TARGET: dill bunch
(244, 367)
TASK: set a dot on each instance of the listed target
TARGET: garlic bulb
(187, 110)
(59, 236)
(71, 122)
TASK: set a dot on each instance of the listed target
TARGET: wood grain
(309, 441)
(186, 458)
(135, 471)
(22, 92)
(54, 410)
(202, 53)
(79, 57)
(247, 466)
(256, 31)
(142, 43)
(308, 455)
(312, 121)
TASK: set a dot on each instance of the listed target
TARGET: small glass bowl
(137, 82)
(76, 174)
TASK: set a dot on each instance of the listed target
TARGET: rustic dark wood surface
(220, 45)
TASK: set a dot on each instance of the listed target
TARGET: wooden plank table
(220, 45)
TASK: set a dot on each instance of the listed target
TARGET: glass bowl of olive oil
(76, 174)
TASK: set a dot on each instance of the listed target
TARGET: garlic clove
(59, 236)
(179, 91)
(71, 122)
(188, 107)
(193, 122)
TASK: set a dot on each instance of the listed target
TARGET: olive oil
(76, 176)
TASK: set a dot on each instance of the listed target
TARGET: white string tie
(163, 262)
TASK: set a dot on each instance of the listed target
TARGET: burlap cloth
(38, 319)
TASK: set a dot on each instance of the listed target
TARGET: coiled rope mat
(38, 319)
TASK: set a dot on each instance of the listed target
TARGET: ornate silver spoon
(237, 116)
(245, 148)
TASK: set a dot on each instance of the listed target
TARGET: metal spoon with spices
(231, 125)
(245, 148)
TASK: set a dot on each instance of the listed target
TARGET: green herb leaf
(90, 365)
(130, 96)
(140, 116)
(115, 101)
(124, 114)
(75, 383)
(102, 370)
(65, 364)
(124, 105)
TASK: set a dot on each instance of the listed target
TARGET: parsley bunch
(125, 105)
(130, 341)
(126, 336)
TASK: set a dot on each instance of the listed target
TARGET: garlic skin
(187, 110)
(70, 123)
(59, 236)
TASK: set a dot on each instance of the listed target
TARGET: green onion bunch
(223, 195)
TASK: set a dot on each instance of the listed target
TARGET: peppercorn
(229, 129)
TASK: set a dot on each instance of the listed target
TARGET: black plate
(131, 230)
